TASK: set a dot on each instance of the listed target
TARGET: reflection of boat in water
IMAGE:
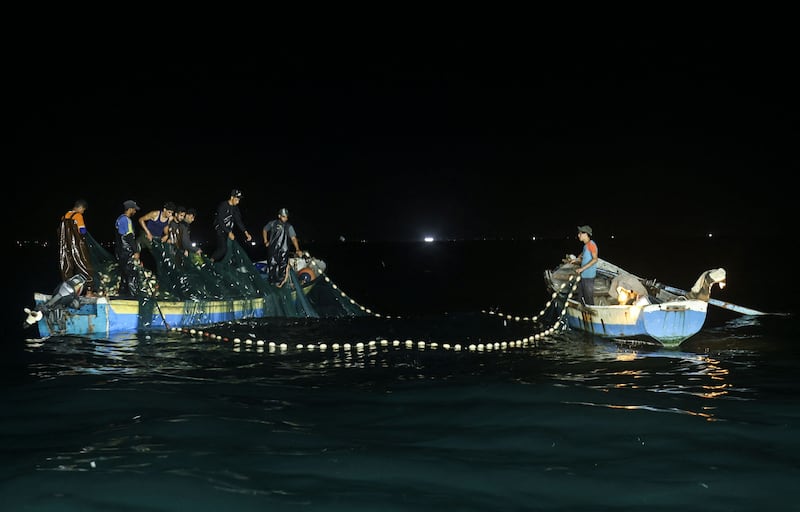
(629, 307)
(66, 312)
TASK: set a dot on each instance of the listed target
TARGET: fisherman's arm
(143, 223)
(237, 219)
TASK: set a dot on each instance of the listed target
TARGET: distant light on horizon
(429, 239)
(710, 235)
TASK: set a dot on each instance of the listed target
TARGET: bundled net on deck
(205, 287)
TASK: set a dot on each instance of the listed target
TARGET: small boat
(631, 308)
(67, 312)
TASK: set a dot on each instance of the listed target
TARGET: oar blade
(726, 305)
(734, 307)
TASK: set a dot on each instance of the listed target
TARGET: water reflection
(564, 359)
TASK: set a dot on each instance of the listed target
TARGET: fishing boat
(68, 312)
(632, 308)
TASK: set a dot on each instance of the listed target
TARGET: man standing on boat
(73, 254)
(588, 265)
(126, 249)
(186, 235)
(153, 224)
(277, 233)
(228, 216)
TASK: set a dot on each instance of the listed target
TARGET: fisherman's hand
(230, 235)
(247, 235)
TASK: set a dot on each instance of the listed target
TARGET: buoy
(306, 275)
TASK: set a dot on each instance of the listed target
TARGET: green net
(204, 287)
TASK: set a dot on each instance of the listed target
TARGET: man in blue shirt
(588, 265)
(126, 249)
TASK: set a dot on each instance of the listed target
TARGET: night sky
(461, 136)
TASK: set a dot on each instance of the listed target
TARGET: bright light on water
(429, 239)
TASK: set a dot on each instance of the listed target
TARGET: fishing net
(204, 287)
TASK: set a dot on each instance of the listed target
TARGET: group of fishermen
(170, 226)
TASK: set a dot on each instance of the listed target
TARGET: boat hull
(104, 315)
(669, 323)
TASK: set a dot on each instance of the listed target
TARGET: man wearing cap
(228, 216)
(126, 250)
(588, 265)
(277, 234)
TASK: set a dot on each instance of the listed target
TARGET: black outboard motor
(65, 295)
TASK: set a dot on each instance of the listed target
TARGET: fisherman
(277, 234)
(126, 249)
(227, 217)
(588, 265)
(154, 222)
(73, 253)
(186, 244)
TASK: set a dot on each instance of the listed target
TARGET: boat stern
(90, 317)
(672, 323)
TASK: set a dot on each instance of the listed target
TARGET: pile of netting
(168, 275)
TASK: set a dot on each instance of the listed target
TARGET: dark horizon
(451, 139)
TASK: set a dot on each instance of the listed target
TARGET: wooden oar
(164, 318)
(726, 305)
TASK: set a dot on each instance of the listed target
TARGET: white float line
(372, 344)
(362, 308)
(546, 307)
(420, 345)
(360, 346)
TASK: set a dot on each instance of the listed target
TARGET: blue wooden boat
(107, 315)
(67, 312)
(631, 308)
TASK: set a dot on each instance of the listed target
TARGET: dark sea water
(172, 422)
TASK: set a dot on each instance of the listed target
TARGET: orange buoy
(306, 275)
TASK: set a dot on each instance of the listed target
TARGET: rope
(558, 299)
(274, 347)
(321, 273)
(559, 323)
(248, 344)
